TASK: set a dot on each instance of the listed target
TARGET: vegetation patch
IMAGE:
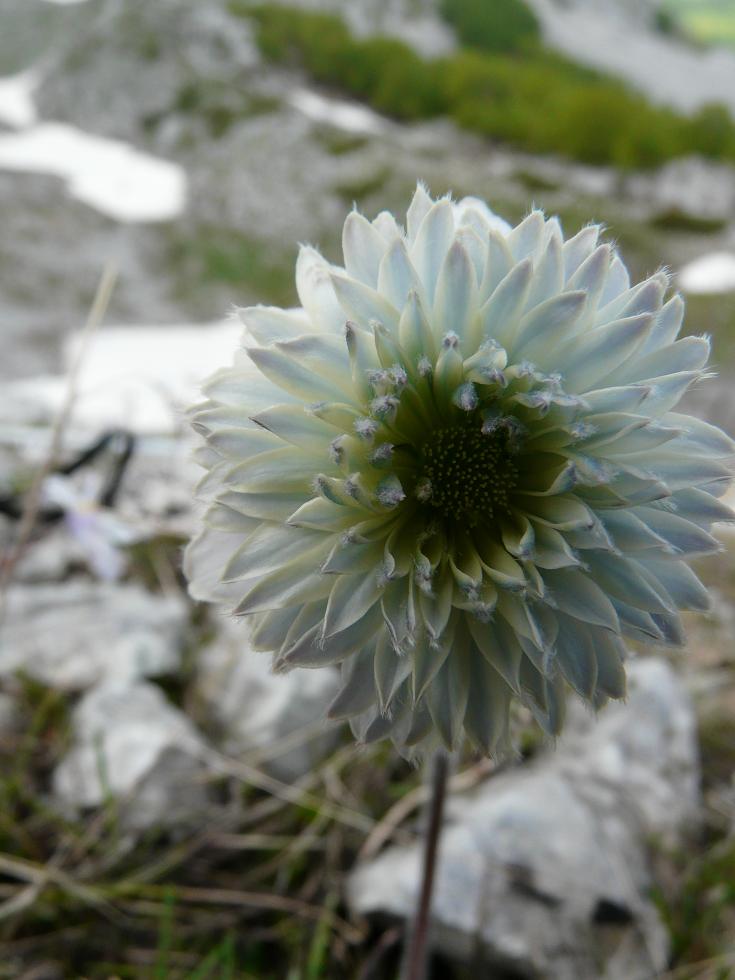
(216, 256)
(503, 25)
(523, 95)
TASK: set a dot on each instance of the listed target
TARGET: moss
(675, 220)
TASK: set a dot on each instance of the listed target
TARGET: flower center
(467, 473)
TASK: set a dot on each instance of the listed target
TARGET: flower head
(457, 472)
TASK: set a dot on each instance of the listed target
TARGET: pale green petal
(576, 594)
(427, 658)
(447, 697)
(700, 507)
(314, 286)
(267, 548)
(432, 242)
(689, 354)
(455, 302)
(500, 648)
(548, 277)
(351, 597)
(499, 263)
(592, 356)
(488, 702)
(501, 315)
(526, 237)
(294, 583)
(363, 304)
(391, 670)
(547, 325)
(358, 687)
(420, 205)
(667, 326)
(266, 324)
(285, 470)
(292, 377)
(397, 276)
(621, 579)
(680, 583)
(617, 282)
(297, 426)
(592, 274)
(575, 655)
(579, 248)
(684, 537)
(363, 248)
(310, 649)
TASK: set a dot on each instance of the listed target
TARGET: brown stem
(415, 962)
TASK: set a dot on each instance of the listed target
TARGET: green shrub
(492, 25)
(532, 99)
(712, 132)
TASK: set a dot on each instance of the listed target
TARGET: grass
(220, 900)
(215, 256)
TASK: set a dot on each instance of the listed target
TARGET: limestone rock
(545, 870)
(77, 633)
(130, 744)
(254, 709)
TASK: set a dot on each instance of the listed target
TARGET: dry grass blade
(290, 794)
(387, 828)
(33, 498)
(260, 901)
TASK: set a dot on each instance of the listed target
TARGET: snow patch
(337, 112)
(137, 378)
(713, 273)
(109, 175)
(17, 108)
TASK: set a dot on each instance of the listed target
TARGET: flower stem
(415, 961)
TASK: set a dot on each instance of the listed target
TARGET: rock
(78, 633)
(254, 709)
(609, 37)
(130, 744)
(690, 188)
(546, 870)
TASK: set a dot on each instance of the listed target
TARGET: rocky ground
(159, 784)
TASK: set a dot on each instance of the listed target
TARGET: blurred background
(168, 809)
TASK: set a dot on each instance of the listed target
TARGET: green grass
(245, 266)
(708, 21)
(503, 25)
(528, 97)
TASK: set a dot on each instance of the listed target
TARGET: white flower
(458, 473)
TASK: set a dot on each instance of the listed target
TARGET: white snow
(109, 175)
(713, 273)
(337, 112)
(139, 378)
(17, 108)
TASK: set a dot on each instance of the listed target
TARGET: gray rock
(610, 37)
(546, 869)
(131, 745)
(690, 187)
(78, 633)
(277, 719)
